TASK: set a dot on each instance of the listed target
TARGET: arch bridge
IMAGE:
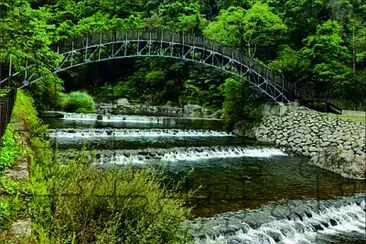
(98, 47)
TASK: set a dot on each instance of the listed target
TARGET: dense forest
(317, 43)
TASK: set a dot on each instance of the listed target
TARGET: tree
(289, 61)
(357, 42)
(233, 106)
(182, 16)
(327, 54)
(249, 30)
(262, 28)
(226, 28)
(25, 37)
(302, 18)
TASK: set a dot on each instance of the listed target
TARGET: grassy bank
(79, 203)
(348, 117)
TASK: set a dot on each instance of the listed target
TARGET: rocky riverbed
(331, 143)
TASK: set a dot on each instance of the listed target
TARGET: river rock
(312, 149)
(297, 141)
(325, 144)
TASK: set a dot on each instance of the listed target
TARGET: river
(245, 192)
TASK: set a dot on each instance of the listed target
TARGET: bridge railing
(7, 100)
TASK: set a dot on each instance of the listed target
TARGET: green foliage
(233, 106)
(261, 29)
(301, 17)
(9, 149)
(78, 202)
(327, 55)
(23, 113)
(293, 66)
(256, 28)
(181, 16)
(5, 214)
(227, 27)
(236, 105)
(24, 36)
(79, 102)
(114, 206)
(10, 207)
(47, 93)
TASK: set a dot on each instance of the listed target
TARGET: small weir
(146, 156)
(116, 138)
(121, 133)
(74, 120)
(244, 192)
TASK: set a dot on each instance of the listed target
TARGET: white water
(231, 152)
(113, 118)
(125, 157)
(127, 133)
(330, 222)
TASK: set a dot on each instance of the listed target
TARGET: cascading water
(340, 224)
(120, 133)
(126, 157)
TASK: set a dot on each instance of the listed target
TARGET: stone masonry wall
(331, 143)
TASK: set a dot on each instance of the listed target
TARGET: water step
(336, 221)
(126, 157)
(120, 133)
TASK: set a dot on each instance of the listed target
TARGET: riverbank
(331, 143)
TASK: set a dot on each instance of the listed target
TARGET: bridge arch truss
(98, 47)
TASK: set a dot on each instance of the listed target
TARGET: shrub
(237, 107)
(79, 102)
(233, 106)
(113, 206)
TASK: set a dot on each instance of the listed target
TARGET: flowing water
(245, 192)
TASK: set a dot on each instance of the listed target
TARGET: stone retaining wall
(331, 143)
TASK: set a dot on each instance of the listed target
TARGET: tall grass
(79, 203)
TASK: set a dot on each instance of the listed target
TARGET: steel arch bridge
(98, 47)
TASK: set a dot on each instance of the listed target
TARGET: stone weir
(331, 143)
